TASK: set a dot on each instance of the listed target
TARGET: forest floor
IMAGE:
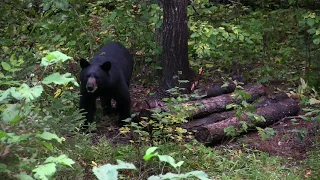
(294, 136)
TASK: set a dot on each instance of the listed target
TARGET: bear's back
(119, 57)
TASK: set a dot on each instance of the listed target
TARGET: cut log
(219, 103)
(213, 118)
(213, 91)
(214, 133)
(217, 117)
(220, 88)
(213, 104)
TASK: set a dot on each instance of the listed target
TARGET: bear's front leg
(88, 105)
(123, 104)
(106, 105)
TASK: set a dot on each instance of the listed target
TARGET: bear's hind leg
(123, 104)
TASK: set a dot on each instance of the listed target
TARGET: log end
(203, 135)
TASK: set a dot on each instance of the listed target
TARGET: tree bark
(175, 44)
(210, 105)
(213, 133)
(219, 103)
(217, 117)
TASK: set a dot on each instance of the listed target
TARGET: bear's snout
(91, 85)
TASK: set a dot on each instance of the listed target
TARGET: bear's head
(94, 76)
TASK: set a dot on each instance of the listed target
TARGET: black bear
(108, 77)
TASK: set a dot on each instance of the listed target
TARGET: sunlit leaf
(105, 172)
(27, 93)
(57, 78)
(45, 171)
(49, 136)
(5, 66)
(62, 159)
(54, 57)
(109, 171)
(150, 153)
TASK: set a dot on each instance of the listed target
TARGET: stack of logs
(212, 118)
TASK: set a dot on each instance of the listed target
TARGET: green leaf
(6, 66)
(150, 153)
(310, 21)
(316, 41)
(11, 112)
(199, 174)
(170, 160)
(109, 171)
(45, 171)
(241, 37)
(312, 31)
(48, 145)
(193, 35)
(105, 172)
(27, 93)
(62, 159)
(2, 134)
(24, 176)
(124, 165)
(3, 168)
(113, 15)
(49, 136)
(54, 57)
(56, 78)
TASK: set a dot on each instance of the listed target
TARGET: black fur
(109, 71)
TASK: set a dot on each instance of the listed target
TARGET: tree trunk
(213, 133)
(175, 44)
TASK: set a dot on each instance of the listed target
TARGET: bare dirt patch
(289, 142)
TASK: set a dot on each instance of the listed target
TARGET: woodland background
(274, 43)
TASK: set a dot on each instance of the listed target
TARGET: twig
(286, 118)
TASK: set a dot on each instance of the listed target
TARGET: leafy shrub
(109, 171)
(26, 121)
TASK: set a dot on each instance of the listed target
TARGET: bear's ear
(106, 66)
(84, 63)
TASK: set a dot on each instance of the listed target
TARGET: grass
(221, 162)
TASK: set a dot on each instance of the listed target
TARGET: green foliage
(311, 21)
(109, 171)
(22, 143)
(54, 58)
(267, 133)
(57, 78)
(310, 99)
(243, 110)
(38, 104)
(164, 124)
